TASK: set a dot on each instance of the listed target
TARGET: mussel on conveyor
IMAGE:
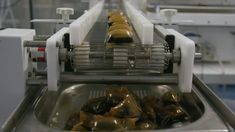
(119, 30)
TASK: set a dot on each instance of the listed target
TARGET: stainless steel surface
(71, 100)
(48, 104)
(12, 121)
(119, 79)
(221, 107)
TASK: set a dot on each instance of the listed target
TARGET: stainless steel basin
(46, 111)
(53, 109)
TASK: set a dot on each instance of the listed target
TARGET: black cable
(11, 4)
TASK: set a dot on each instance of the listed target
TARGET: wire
(11, 4)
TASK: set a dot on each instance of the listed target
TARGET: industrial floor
(226, 93)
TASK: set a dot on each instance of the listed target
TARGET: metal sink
(53, 109)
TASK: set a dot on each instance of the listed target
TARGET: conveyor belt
(95, 53)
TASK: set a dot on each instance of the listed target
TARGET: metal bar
(226, 113)
(41, 37)
(36, 82)
(161, 79)
(35, 44)
(188, 7)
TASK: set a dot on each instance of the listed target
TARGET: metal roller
(95, 56)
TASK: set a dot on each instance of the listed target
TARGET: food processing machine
(81, 64)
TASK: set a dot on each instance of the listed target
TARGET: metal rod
(36, 82)
(35, 44)
(161, 79)
(41, 37)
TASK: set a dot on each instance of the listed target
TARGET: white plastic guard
(142, 25)
(80, 27)
(185, 68)
(52, 54)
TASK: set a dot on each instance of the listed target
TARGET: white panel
(185, 69)
(52, 52)
(13, 68)
(80, 27)
(142, 25)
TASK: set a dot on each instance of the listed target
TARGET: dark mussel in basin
(146, 125)
(79, 127)
(107, 123)
(128, 108)
(96, 106)
(171, 97)
(172, 114)
(86, 119)
(150, 105)
(129, 123)
(73, 120)
(116, 95)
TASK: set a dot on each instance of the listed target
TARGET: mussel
(114, 12)
(121, 109)
(128, 108)
(120, 36)
(96, 106)
(171, 97)
(120, 26)
(107, 123)
(117, 20)
(116, 95)
(86, 119)
(172, 114)
(79, 127)
(175, 112)
(146, 125)
(150, 107)
(73, 120)
(129, 123)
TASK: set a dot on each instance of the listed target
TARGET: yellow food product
(114, 13)
(120, 26)
(120, 36)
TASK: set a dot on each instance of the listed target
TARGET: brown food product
(129, 123)
(120, 36)
(146, 125)
(117, 16)
(106, 123)
(96, 106)
(128, 108)
(171, 97)
(172, 114)
(117, 20)
(79, 127)
(120, 26)
(115, 12)
(175, 112)
(73, 120)
(86, 119)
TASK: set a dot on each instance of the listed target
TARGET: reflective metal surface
(51, 109)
